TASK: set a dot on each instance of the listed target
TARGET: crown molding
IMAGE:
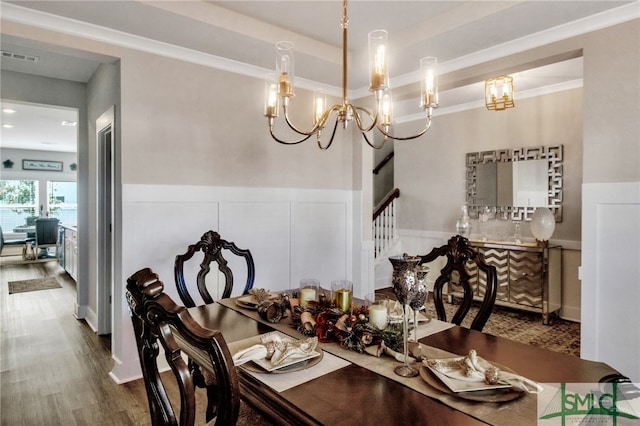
(34, 18)
(531, 93)
(586, 25)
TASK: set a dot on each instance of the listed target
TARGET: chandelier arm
(406, 138)
(273, 135)
(313, 131)
(316, 128)
(374, 119)
(372, 145)
(333, 134)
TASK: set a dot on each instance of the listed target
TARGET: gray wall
(597, 124)
(612, 104)
(103, 91)
(431, 174)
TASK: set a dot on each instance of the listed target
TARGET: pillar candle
(378, 316)
(307, 294)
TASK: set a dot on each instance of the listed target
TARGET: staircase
(385, 232)
(386, 241)
(384, 226)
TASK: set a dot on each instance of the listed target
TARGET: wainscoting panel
(163, 230)
(265, 229)
(292, 233)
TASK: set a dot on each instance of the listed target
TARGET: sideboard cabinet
(529, 277)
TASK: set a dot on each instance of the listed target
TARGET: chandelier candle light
(279, 90)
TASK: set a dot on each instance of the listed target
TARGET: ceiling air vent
(20, 56)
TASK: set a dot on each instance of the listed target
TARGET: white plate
(265, 366)
(290, 365)
(247, 301)
(463, 385)
(487, 395)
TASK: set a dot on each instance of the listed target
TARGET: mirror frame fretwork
(553, 154)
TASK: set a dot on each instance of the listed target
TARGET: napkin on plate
(277, 350)
(476, 369)
(260, 294)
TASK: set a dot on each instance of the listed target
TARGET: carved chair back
(213, 249)
(459, 254)
(156, 318)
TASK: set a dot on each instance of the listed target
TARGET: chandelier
(502, 85)
(279, 90)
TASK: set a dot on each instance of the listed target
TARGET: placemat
(282, 382)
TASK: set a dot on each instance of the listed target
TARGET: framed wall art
(49, 166)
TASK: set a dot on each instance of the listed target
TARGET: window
(18, 200)
(63, 201)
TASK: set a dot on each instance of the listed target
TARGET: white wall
(610, 276)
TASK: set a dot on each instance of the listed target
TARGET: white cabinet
(71, 252)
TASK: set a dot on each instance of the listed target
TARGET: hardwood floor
(54, 368)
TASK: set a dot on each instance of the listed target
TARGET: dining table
(350, 388)
(30, 230)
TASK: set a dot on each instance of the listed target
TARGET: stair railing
(383, 163)
(384, 223)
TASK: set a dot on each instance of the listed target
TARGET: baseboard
(125, 372)
(570, 313)
(92, 319)
(79, 311)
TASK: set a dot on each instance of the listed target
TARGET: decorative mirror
(515, 182)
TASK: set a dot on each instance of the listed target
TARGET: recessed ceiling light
(7, 126)
(69, 123)
(8, 110)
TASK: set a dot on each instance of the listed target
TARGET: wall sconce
(498, 93)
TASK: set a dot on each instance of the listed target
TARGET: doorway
(105, 144)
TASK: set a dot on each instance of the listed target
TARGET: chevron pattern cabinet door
(525, 277)
(529, 277)
(500, 259)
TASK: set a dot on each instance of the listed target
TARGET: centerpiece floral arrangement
(352, 330)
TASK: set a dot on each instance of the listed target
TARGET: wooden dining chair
(47, 235)
(213, 249)
(156, 318)
(461, 258)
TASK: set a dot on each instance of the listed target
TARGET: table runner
(520, 411)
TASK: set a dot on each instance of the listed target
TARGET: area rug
(524, 327)
(33, 285)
